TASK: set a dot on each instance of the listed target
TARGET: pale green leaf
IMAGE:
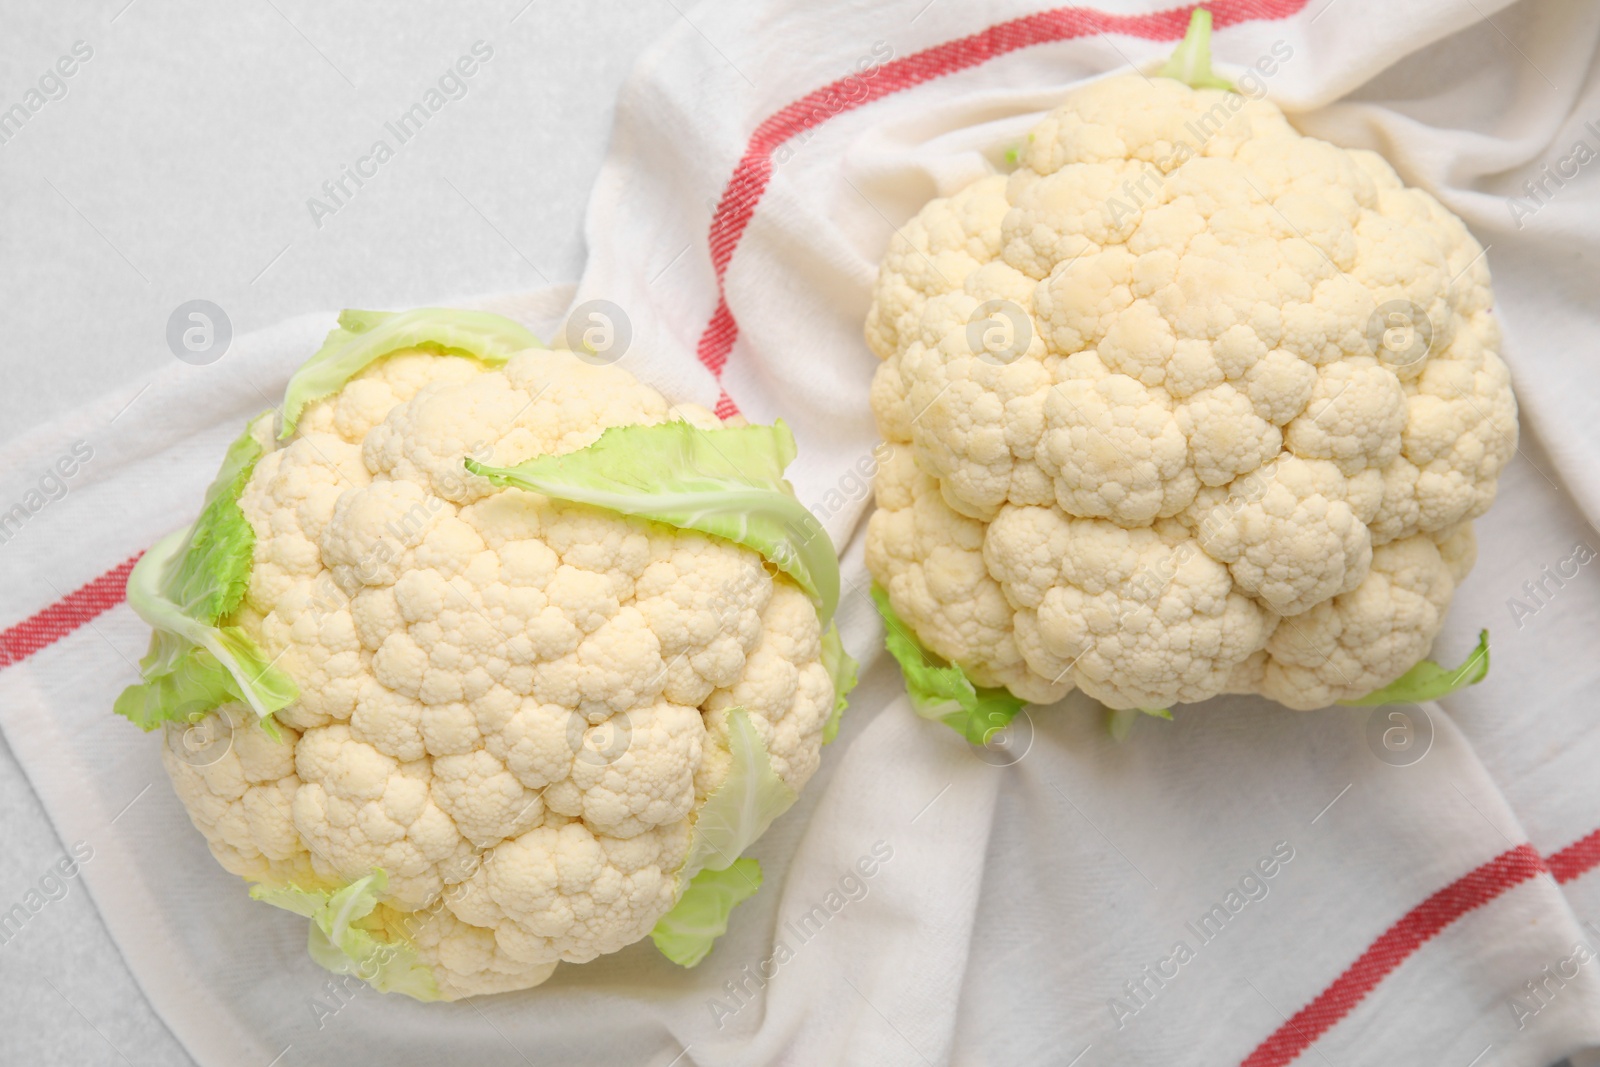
(183, 587)
(742, 807)
(364, 337)
(942, 691)
(686, 933)
(726, 482)
(1119, 721)
(1429, 681)
(844, 671)
(340, 942)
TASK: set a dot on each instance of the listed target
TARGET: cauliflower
(474, 720)
(1186, 404)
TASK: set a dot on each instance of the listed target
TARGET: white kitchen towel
(1244, 885)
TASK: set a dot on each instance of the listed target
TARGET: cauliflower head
(503, 721)
(1186, 404)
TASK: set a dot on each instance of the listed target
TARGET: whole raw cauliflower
(1187, 404)
(512, 707)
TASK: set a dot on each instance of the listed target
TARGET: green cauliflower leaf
(940, 690)
(726, 482)
(1429, 681)
(364, 337)
(686, 933)
(341, 942)
(183, 587)
(844, 671)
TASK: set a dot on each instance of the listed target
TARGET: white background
(178, 167)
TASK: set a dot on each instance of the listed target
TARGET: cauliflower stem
(1191, 60)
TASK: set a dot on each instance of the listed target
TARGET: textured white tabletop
(176, 163)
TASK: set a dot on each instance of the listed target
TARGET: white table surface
(177, 167)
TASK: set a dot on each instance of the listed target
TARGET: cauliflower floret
(651, 782)
(1292, 544)
(466, 960)
(1116, 450)
(1358, 641)
(1095, 599)
(1226, 436)
(486, 801)
(930, 560)
(978, 414)
(1354, 418)
(784, 688)
(511, 705)
(948, 240)
(312, 625)
(563, 892)
(1182, 346)
(295, 490)
(238, 786)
